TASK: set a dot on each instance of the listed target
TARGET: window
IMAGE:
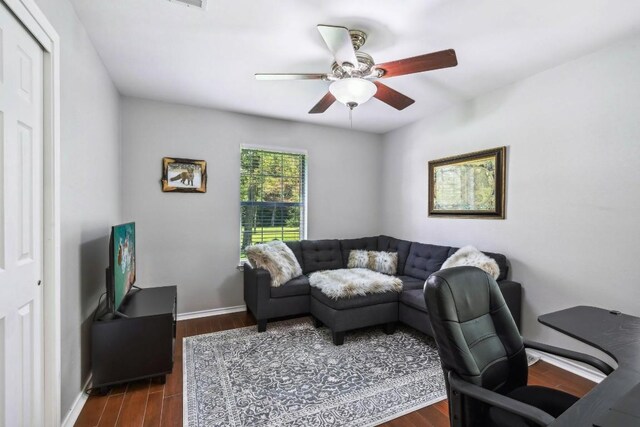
(272, 196)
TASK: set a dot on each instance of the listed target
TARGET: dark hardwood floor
(147, 403)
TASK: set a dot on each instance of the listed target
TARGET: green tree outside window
(272, 196)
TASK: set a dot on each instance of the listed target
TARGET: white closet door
(21, 196)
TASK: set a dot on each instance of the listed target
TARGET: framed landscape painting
(469, 185)
(184, 175)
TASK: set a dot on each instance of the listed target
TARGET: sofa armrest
(257, 290)
(512, 293)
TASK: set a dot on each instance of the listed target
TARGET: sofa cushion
(390, 244)
(366, 243)
(414, 298)
(296, 248)
(297, 286)
(499, 258)
(321, 255)
(354, 302)
(425, 259)
(409, 282)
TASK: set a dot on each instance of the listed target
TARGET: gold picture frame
(469, 185)
(184, 175)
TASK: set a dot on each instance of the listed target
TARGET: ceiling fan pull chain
(351, 117)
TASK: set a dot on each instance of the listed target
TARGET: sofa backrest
(391, 244)
(321, 255)
(296, 248)
(425, 259)
(415, 259)
(499, 258)
(365, 244)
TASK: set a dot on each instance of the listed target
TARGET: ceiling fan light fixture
(353, 90)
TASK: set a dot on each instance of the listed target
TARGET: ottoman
(345, 314)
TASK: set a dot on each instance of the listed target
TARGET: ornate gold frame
(499, 154)
(167, 187)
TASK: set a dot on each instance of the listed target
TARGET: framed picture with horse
(184, 175)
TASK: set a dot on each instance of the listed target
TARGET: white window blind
(272, 196)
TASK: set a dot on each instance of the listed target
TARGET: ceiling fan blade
(338, 41)
(418, 64)
(323, 104)
(392, 97)
(287, 76)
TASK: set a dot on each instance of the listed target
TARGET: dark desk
(618, 335)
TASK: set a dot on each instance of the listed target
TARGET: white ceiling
(161, 50)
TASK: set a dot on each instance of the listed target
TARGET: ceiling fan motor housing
(365, 63)
(358, 38)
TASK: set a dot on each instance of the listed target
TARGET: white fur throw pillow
(277, 258)
(382, 262)
(473, 257)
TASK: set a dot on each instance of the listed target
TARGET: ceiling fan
(354, 75)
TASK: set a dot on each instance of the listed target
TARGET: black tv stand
(138, 344)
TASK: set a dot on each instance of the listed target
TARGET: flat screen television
(121, 274)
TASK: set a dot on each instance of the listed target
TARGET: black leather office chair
(483, 355)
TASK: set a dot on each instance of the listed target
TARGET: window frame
(283, 150)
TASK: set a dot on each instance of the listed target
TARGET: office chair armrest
(492, 398)
(569, 354)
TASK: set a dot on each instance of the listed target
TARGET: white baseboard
(73, 414)
(212, 312)
(569, 365)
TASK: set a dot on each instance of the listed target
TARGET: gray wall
(573, 138)
(90, 179)
(193, 239)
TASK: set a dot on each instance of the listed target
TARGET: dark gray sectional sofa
(416, 261)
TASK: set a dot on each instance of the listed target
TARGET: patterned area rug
(293, 375)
